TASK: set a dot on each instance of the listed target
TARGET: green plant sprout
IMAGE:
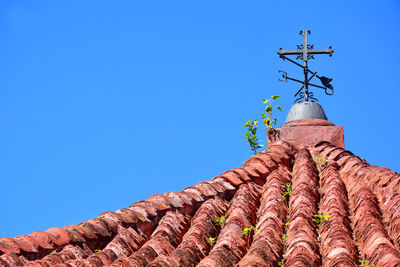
(249, 229)
(321, 161)
(53, 251)
(288, 190)
(321, 218)
(284, 241)
(365, 262)
(220, 220)
(96, 250)
(251, 136)
(143, 220)
(211, 240)
(269, 122)
(286, 224)
(280, 263)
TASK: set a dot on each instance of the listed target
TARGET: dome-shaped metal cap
(306, 110)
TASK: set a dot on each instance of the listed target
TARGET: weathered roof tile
(43, 239)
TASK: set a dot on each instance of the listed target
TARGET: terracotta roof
(180, 228)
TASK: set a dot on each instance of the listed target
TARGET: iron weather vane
(305, 52)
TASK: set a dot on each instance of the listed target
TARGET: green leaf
(211, 240)
(263, 115)
(275, 97)
(220, 220)
(268, 109)
(284, 236)
(279, 107)
(265, 101)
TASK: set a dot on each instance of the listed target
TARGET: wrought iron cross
(306, 52)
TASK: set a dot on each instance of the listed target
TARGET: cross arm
(328, 51)
(289, 52)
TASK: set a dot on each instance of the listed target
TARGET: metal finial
(305, 52)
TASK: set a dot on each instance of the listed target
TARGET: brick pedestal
(309, 132)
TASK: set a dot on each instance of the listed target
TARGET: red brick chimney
(307, 124)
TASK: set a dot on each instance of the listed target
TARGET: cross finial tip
(305, 31)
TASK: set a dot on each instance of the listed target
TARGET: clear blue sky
(104, 103)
